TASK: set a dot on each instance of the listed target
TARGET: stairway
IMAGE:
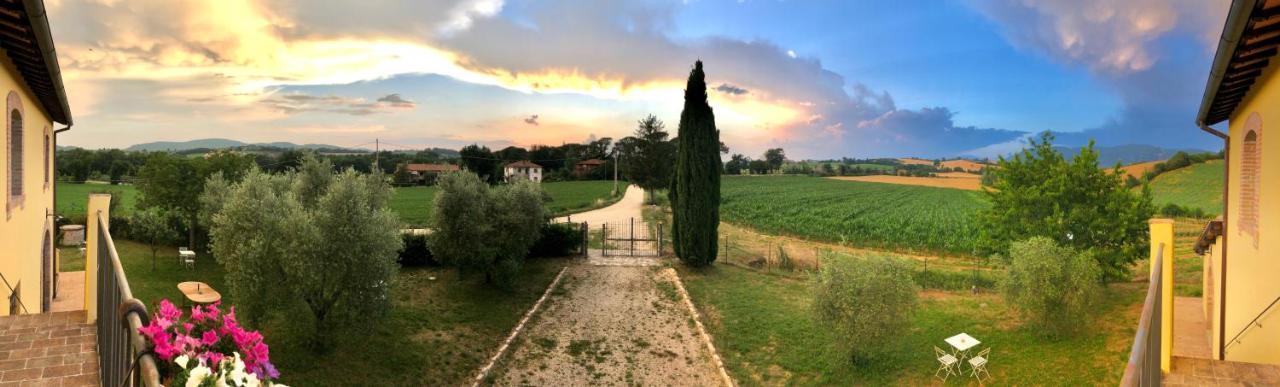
(49, 349)
(1205, 372)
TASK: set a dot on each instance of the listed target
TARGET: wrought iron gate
(630, 238)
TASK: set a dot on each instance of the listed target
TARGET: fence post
(1162, 234)
(633, 236)
(99, 206)
(604, 238)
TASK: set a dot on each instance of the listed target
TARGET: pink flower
(168, 311)
(209, 338)
(188, 326)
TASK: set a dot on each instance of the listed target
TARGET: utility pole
(375, 156)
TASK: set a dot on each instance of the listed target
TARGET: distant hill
(1196, 186)
(1108, 156)
(198, 146)
(219, 143)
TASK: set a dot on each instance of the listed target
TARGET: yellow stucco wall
(1253, 264)
(21, 231)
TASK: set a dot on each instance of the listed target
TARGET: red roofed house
(584, 167)
(429, 172)
(523, 168)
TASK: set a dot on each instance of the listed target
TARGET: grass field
(414, 204)
(72, 197)
(876, 215)
(1196, 186)
(763, 326)
(957, 180)
(1139, 169)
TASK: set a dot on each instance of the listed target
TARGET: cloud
(296, 103)
(730, 89)
(532, 120)
(1139, 47)
(395, 100)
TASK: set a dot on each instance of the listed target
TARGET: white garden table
(962, 343)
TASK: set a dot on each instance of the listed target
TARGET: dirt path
(611, 325)
(628, 207)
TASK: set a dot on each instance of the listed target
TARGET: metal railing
(1236, 339)
(14, 296)
(1143, 368)
(123, 358)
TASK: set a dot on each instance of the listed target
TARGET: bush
(1175, 211)
(415, 251)
(1054, 286)
(558, 240)
(868, 303)
(485, 229)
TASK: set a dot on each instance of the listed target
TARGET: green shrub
(867, 302)
(489, 230)
(1176, 211)
(954, 279)
(558, 240)
(1055, 286)
(415, 251)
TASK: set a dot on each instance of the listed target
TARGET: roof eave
(44, 38)
(1237, 20)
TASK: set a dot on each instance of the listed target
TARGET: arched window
(13, 105)
(1250, 176)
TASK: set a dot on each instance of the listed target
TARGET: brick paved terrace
(50, 349)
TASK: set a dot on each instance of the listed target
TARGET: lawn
(414, 204)
(762, 325)
(439, 331)
(72, 197)
(1195, 186)
(855, 213)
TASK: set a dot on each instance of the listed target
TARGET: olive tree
(490, 230)
(1055, 286)
(152, 226)
(868, 303)
(309, 238)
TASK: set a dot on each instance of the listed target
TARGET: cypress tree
(695, 191)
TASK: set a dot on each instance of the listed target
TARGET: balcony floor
(49, 349)
(1190, 330)
(1204, 372)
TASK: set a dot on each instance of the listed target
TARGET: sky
(820, 78)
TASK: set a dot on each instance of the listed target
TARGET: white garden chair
(978, 364)
(946, 363)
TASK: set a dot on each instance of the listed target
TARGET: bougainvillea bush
(207, 347)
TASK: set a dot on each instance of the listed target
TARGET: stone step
(57, 349)
(1186, 371)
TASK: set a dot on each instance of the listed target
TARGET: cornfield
(874, 215)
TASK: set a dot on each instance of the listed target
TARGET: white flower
(198, 375)
(181, 361)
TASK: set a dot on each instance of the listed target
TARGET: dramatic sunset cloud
(451, 72)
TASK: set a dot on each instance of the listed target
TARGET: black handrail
(11, 292)
(1253, 323)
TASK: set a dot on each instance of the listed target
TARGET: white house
(523, 168)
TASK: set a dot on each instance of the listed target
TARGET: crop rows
(876, 215)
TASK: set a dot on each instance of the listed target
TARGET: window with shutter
(14, 141)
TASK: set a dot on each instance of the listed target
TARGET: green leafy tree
(646, 160)
(695, 191)
(173, 184)
(402, 177)
(483, 229)
(1074, 203)
(480, 161)
(736, 164)
(335, 257)
(868, 303)
(1054, 286)
(775, 157)
(152, 226)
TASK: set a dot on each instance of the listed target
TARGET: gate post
(633, 236)
(604, 238)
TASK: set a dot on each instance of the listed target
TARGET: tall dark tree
(480, 161)
(646, 156)
(695, 191)
(512, 153)
(775, 157)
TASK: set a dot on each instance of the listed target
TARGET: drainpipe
(1222, 271)
(54, 166)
